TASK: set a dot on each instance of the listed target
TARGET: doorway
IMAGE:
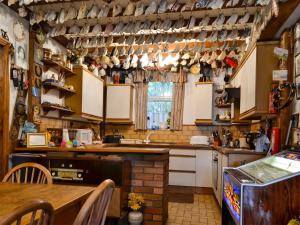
(4, 106)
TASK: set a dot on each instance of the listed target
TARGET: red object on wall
(275, 140)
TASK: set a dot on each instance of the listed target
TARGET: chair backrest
(39, 212)
(95, 208)
(28, 173)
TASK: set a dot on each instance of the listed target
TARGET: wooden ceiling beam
(285, 10)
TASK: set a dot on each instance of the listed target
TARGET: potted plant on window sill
(135, 203)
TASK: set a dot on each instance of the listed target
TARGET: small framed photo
(37, 140)
(297, 65)
(295, 120)
(297, 81)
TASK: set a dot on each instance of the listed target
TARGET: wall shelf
(203, 122)
(49, 63)
(206, 82)
(223, 106)
(62, 111)
(223, 120)
(62, 90)
(71, 118)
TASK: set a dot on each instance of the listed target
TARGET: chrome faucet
(147, 140)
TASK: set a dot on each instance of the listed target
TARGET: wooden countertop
(227, 151)
(152, 148)
(170, 146)
(99, 149)
(60, 196)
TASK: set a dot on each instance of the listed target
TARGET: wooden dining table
(65, 199)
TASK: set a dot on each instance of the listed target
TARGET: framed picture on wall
(297, 65)
(21, 55)
(297, 81)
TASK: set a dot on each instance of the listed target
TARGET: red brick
(154, 170)
(153, 184)
(143, 163)
(153, 223)
(160, 157)
(137, 183)
(158, 177)
(137, 170)
(143, 189)
(152, 210)
(148, 203)
(141, 176)
(158, 191)
(157, 204)
(157, 217)
(152, 197)
(159, 164)
(148, 217)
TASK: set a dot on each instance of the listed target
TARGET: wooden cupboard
(204, 103)
(119, 103)
(255, 77)
(88, 101)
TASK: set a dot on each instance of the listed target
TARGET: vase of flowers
(135, 203)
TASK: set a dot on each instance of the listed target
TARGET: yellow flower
(135, 207)
(135, 202)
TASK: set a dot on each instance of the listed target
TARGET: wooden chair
(28, 173)
(94, 210)
(41, 214)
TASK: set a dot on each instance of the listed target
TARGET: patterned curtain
(177, 104)
(141, 102)
(141, 79)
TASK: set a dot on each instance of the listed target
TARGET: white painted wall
(7, 19)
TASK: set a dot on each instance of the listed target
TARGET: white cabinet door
(182, 163)
(243, 103)
(220, 178)
(204, 101)
(204, 168)
(119, 102)
(251, 80)
(182, 152)
(92, 95)
(182, 179)
(182, 167)
(248, 83)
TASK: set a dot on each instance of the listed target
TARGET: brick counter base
(150, 179)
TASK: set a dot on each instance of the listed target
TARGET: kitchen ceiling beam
(153, 17)
(285, 10)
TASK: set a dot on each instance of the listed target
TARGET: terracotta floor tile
(204, 211)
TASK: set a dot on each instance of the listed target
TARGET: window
(159, 105)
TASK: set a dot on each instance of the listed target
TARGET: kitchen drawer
(187, 163)
(182, 179)
(182, 152)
